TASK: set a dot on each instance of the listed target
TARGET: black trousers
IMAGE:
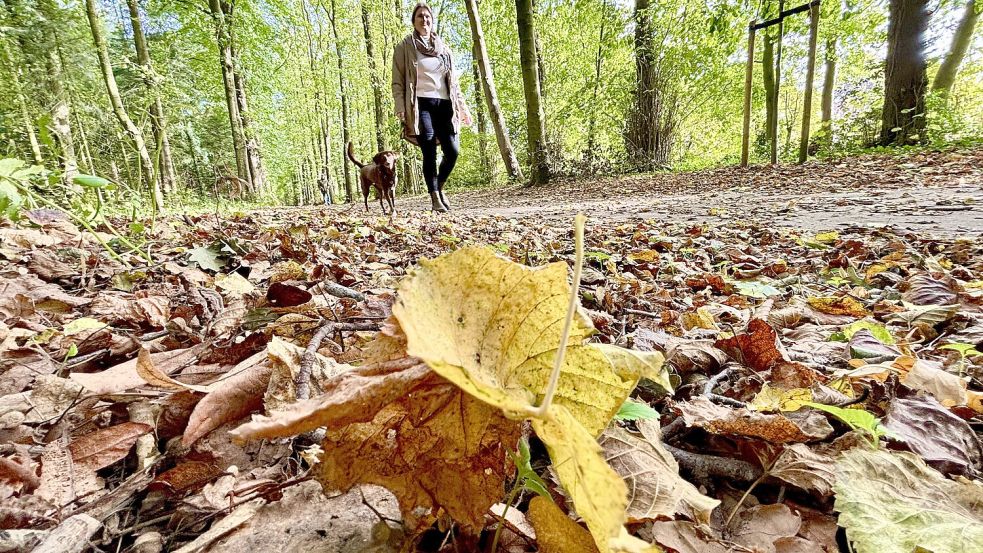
(435, 124)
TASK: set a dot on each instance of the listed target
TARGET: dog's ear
(379, 158)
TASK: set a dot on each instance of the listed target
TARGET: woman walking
(428, 101)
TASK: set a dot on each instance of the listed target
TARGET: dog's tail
(351, 156)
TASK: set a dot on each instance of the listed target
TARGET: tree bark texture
(505, 148)
(345, 129)
(905, 78)
(102, 50)
(380, 118)
(228, 80)
(535, 119)
(829, 83)
(652, 120)
(254, 159)
(946, 77)
(768, 77)
(157, 120)
(485, 159)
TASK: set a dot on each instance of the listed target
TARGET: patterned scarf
(435, 49)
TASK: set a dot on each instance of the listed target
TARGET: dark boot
(435, 203)
(443, 199)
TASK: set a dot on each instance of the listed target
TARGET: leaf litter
(790, 381)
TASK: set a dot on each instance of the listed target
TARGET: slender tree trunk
(345, 130)
(90, 166)
(592, 122)
(102, 50)
(486, 165)
(535, 119)
(829, 82)
(157, 120)
(946, 77)
(225, 57)
(810, 77)
(768, 76)
(61, 110)
(25, 114)
(905, 78)
(380, 118)
(254, 159)
(491, 95)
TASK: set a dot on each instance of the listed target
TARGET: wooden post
(810, 74)
(778, 82)
(748, 81)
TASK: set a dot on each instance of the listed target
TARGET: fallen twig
(303, 380)
(704, 466)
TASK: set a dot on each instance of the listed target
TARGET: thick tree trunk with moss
(905, 78)
(505, 148)
(157, 120)
(228, 80)
(946, 77)
(535, 119)
(102, 50)
(380, 118)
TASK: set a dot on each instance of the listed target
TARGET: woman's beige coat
(404, 90)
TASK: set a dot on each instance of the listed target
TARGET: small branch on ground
(303, 381)
(705, 466)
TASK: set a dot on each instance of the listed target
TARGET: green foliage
(856, 419)
(632, 410)
(526, 477)
(878, 330)
(15, 175)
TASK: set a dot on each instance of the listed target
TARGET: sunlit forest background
(302, 77)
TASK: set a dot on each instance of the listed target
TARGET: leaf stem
(501, 521)
(578, 234)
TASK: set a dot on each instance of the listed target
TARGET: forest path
(930, 193)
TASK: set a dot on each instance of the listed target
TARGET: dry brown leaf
(555, 532)
(652, 475)
(25, 295)
(945, 441)
(756, 348)
(18, 472)
(435, 448)
(124, 376)
(236, 395)
(925, 290)
(761, 526)
(800, 466)
(61, 481)
(778, 428)
(839, 305)
(687, 537)
(286, 359)
(104, 447)
(149, 372)
(354, 396)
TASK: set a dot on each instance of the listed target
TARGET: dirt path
(934, 194)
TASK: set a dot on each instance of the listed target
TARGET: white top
(430, 82)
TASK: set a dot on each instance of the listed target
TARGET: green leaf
(91, 181)
(526, 475)
(965, 350)
(635, 410)
(856, 419)
(208, 257)
(756, 289)
(73, 350)
(878, 330)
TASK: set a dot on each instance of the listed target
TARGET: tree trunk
(61, 111)
(829, 82)
(345, 129)
(946, 77)
(254, 159)
(25, 114)
(592, 122)
(652, 123)
(491, 95)
(380, 118)
(905, 78)
(810, 77)
(228, 80)
(486, 165)
(102, 50)
(535, 119)
(768, 76)
(86, 152)
(157, 120)
(778, 84)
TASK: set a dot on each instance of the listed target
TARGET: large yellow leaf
(493, 327)
(599, 494)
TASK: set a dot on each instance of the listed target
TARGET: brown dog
(381, 174)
